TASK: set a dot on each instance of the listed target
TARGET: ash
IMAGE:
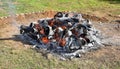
(66, 35)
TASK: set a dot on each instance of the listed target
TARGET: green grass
(25, 58)
(12, 57)
(22, 6)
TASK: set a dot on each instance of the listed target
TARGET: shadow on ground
(18, 38)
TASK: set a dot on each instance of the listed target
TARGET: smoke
(12, 12)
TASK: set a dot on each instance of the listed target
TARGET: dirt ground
(109, 53)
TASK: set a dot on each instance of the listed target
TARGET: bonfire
(66, 34)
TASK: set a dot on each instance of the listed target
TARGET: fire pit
(66, 34)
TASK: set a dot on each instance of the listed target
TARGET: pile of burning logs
(67, 34)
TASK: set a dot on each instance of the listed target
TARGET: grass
(23, 6)
(11, 58)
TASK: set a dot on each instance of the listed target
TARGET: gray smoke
(12, 12)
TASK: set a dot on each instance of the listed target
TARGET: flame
(45, 40)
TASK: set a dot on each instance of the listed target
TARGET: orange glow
(45, 40)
